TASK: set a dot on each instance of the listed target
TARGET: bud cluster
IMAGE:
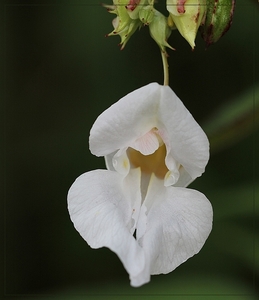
(212, 17)
(133, 14)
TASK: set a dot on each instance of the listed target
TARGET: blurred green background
(60, 73)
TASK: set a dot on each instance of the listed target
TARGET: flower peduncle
(165, 66)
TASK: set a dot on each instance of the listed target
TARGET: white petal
(178, 222)
(173, 174)
(131, 118)
(121, 162)
(171, 178)
(103, 208)
(185, 140)
(184, 179)
(125, 121)
(108, 161)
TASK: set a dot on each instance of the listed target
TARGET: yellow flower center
(153, 163)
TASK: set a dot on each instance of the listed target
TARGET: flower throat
(153, 163)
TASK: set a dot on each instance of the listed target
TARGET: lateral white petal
(184, 179)
(125, 121)
(185, 140)
(178, 222)
(103, 207)
(109, 161)
(121, 162)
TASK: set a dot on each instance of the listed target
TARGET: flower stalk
(164, 56)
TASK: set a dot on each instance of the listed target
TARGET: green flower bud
(187, 16)
(146, 14)
(160, 30)
(218, 20)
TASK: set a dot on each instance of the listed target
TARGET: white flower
(153, 149)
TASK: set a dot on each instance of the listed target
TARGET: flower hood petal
(104, 208)
(153, 106)
(187, 142)
(125, 121)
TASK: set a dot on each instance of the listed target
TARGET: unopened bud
(146, 14)
(123, 24)
(218, 20)
(187, 16)
(160, 30)
(134, 7)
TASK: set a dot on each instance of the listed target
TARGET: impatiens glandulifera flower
(140, 207)
(187, 16)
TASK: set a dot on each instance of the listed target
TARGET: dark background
(59, 73)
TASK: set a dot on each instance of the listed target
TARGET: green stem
(165, 67)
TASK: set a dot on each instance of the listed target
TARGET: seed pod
(218, 20)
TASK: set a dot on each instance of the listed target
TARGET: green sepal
(160, 30)
(146, 14)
